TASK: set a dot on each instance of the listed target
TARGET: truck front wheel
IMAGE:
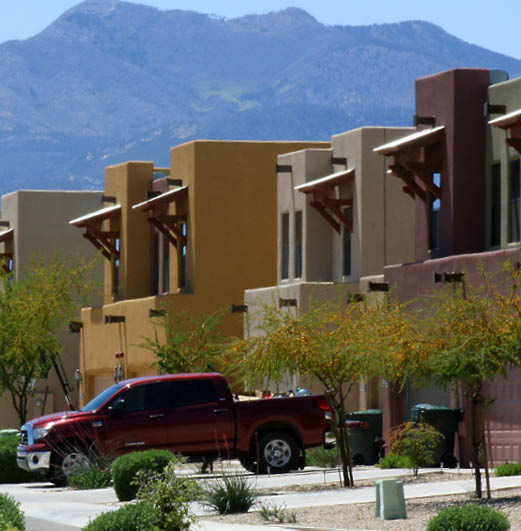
(66, 460)
(278, 452)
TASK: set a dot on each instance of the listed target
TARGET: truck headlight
(40, 433)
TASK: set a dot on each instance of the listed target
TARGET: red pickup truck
(191, 414)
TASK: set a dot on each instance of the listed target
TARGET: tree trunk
(476, 443)
(340, 433)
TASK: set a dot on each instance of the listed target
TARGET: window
(165, 288)
(182, 262)
(495, 205)
(513, 225)
(191, 393)
(298, 244)
(285, 245)
(155, 262)
(434, 222)
(115, 270)
(346, 244)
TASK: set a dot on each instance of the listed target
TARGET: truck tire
(65, 460)
(278, 453)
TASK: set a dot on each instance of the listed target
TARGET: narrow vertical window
(298, 244)
(166, 266)
(434, 222)
(285, 245)
(513, 232)
(155, 262)
(346, 244)
(495, 205)
(115, 271)
(182, 262)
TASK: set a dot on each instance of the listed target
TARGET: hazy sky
(494, 25)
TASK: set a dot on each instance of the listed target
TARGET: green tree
(183, 343)
(469, 335)
(327, 343)
(33, 311)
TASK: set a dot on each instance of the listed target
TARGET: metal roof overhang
(424, 138)
(98, 215)
(164, 198)
(326, 182)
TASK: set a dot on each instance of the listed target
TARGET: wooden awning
(6, 236)
(511, 123)
(169, 225)
(416, 158)
(324, 201)
(105, 241)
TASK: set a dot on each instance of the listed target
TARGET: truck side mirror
(118, 406)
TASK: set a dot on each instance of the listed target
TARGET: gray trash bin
(365, 431)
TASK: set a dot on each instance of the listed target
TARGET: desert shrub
(125, 468)
(392, 460)
(468, 518)
(10, 472)
(509, 469)
(277, 514)
(139, 516)
(323, 457)
(170, 495)
(231, 494)
(94, 477)
(417, 442)
(12, 516)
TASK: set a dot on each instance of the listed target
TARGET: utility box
(390, 501)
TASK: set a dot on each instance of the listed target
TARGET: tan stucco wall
(507, 93)
(231, 246)
(128, 183)
(383, 231)
(40, 220)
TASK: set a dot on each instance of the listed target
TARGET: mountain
(111, 81)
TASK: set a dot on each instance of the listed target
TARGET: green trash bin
(446, 421)
(365, 436)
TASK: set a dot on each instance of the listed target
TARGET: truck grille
(24, 438)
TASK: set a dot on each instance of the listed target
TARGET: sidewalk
(52, 509)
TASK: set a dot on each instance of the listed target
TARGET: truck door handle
(156, 416)
(220, 411)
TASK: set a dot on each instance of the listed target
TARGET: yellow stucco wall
(231, 246)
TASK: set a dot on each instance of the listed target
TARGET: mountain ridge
(109, 80)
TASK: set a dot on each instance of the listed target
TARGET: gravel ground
(362, 516)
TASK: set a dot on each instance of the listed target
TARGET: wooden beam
(515, 143)
(163, 230)
(337, 202)
(100, 234)
(98, 245)
(425, 175)
(320, 207)
(408, 177)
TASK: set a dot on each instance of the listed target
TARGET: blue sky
(494, 25)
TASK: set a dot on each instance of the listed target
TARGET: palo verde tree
(33, 311)
(184, 343)
(327, 343)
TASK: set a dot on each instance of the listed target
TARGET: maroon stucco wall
(456, 98)
(407, 282)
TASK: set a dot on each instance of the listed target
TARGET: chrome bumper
(33, 461)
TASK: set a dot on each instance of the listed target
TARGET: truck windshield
(97, 402)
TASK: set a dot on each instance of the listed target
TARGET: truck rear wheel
(278, 452)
